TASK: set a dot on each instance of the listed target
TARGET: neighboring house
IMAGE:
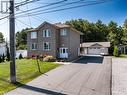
(58, 40)
(2, 49)
(95, 48)
(122, 48)
(23, 52)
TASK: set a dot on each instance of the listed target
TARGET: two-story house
(58, 40)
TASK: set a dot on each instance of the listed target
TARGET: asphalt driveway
(90, 59)
(72, 79)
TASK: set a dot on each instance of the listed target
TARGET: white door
(63, 52)
(94, 51)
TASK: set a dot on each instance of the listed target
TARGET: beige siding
(40, 40)
(74, 45)
(70, 41)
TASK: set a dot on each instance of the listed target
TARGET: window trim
(35, 37)
(63, 32)
(49, 46)
(35, 45)
(46, 33)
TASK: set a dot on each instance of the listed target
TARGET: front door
(63, 52)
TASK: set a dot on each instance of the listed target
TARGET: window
(47, 46)
(34, 46)
(63, 32)
(33, 35)
(46, 33)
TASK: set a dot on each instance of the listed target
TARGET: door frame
(63, 52)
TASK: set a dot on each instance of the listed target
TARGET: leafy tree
(1, 38)
(92, 31)
(116, 52)
(21, 38)
(125, 24)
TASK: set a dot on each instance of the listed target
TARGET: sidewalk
(119, 76)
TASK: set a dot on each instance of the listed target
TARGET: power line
(66, 4)
(4, 22)
(61, 5)
(42, 6)
(4, 17)
(28, 15)
(24, 3)
(68, 8)
(23, 23)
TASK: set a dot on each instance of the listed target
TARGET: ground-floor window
(47, 46)
(34, 46)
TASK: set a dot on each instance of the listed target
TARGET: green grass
(26, 71)
(122, 56)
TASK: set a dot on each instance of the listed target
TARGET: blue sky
(115, 10)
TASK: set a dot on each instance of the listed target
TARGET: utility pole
(12, 42)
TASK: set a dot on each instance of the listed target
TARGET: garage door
(95, 51)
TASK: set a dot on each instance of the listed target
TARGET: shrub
(116, 53)
(41, 57)
(0, 59)
(49, 59)
(3, 58)
(20, 56)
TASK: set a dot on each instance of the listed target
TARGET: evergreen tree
(0, 59)
(20, 56)
(1, 38)
(3, 58)
(7, 53)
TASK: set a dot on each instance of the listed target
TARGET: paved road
(119, 76)
(72, 79)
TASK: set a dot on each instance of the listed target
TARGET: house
(95, 48)
(122, 48)
(58, 40)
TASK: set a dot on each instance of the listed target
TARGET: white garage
(95, 48)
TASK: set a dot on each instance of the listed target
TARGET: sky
(115, 10)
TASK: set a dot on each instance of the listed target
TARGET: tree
(1, 38)
(20, 56)
(116, 52)
(7, 53)
(3, 57)
(92, 31)
(0, 59)
(21, 38)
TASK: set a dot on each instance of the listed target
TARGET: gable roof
(56, 25)
(101, 44)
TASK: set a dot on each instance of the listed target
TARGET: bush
(116, 52)
(20, 56)
(49, 59)
(0, 59)
(3, 58)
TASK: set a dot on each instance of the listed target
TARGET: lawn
(123, 55)
(26, 71)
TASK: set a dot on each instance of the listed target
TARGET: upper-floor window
(46, 33)
(34, 46)
(63, 32)
(33, 35)
(46, 46)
